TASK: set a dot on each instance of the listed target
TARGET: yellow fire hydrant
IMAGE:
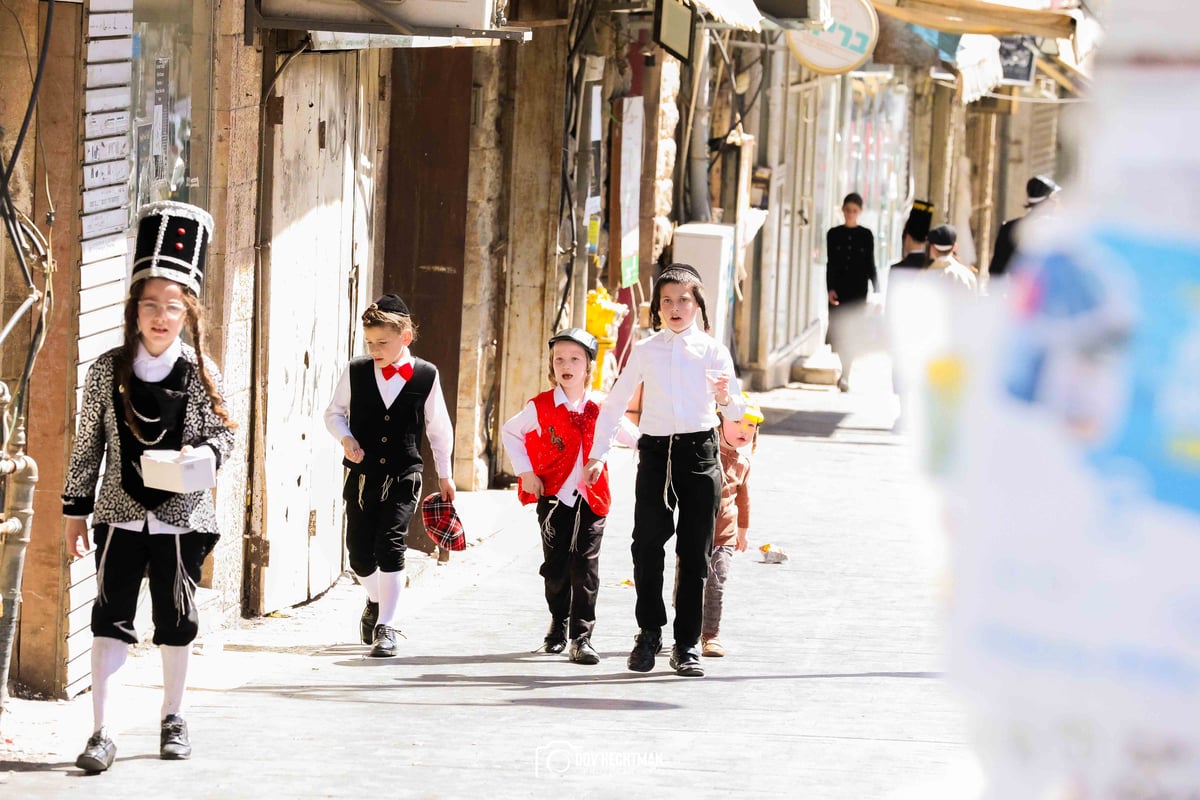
(603, 317)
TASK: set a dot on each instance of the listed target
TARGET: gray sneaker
(99, 753)
(173, 742)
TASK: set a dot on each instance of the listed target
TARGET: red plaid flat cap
(442, 523)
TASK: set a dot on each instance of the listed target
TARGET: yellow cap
(753, 413)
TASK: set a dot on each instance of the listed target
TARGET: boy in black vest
(382, 403)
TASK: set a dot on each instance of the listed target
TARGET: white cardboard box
(173, 471)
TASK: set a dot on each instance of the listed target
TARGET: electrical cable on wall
(740, 107)
(27, 240)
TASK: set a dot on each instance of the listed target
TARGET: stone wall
(484, 265)
(229, 289)
(531, 287)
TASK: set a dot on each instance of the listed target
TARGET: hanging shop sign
(845, 44)
(675, 28)
(633, 116)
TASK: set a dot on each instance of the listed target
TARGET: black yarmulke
(393, 304)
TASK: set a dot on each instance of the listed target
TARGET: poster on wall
(143, 142)
(1018, 57)
(632, 119)
(160, 143)
(595, 120)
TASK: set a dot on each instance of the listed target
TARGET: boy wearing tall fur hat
(546, 442)
(382, 404)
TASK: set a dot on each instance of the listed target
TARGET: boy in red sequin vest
(547, 441)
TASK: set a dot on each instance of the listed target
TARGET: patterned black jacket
(96, 439)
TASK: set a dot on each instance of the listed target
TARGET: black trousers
(378, 512)
(123, 557)
(692, 483)
(571, 562)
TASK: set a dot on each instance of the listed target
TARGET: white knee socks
(371, 584)
(108, 656)
(175, 667)
(390, 586)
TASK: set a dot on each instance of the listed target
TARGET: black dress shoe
(686, 662)
(173, 742)
(646, 646)
(98, 754)
(556, 637)
(366, 623)
(582, 651)
(385, 641)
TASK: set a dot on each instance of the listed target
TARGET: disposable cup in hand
(713, 376)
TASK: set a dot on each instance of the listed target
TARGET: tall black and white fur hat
(172, 242)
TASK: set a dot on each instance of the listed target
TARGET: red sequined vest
(564, 435)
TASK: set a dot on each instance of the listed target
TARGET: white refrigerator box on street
(708, 247)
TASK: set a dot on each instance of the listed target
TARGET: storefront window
(172, 90)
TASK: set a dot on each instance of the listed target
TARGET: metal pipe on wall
(21, 473)
(699, 134)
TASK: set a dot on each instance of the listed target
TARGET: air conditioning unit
(709, 248)
(476, 14)
(798, 15)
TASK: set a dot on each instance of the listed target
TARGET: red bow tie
(404, 371)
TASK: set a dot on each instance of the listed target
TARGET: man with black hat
(1039, 191)
(547, 441)
(916, 229)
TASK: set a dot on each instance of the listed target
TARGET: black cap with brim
(580, 337)
(943, 237)
(1038, 188)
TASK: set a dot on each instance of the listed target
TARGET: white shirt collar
(167, 357)
(561, 399)
(407, 358)
(686, 333)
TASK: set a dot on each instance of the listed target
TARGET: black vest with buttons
(389, 436)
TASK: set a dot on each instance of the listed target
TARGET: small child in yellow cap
(733, 518)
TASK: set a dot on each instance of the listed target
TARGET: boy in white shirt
(686, 374)
(382, 404)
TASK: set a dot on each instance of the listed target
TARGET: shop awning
(385, 23)
(978, 16)
(741, 14)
